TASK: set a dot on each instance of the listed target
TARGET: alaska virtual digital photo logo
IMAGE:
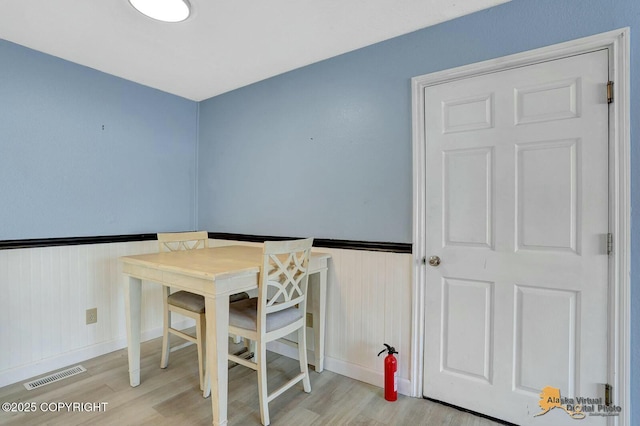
(578, 408)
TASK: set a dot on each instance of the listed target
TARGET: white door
(517, 213)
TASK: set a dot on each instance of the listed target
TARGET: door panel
(546, 195)
(467, 198)
(469, 357)
(517, 211)
(554, 311)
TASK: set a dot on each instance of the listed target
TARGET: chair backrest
(176, 241)
(284, 276)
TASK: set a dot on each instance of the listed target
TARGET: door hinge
(610, 92)
(608, 395)
(609, 243)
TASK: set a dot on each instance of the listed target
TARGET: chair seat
(186, 300)
(195, 302)
(243, 314)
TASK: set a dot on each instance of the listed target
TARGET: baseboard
(343, 368)
(48, 365)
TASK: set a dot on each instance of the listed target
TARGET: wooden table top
(210, 263)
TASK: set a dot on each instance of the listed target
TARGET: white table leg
(133, 301)
(217, 312)
(320, 309)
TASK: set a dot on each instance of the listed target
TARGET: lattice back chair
(183, 302)
(279, 310)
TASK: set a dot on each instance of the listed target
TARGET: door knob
(434, 261)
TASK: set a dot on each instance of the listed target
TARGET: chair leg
(200, 329)
(206, 393)
(203, 338)
(166, 323)
(302, 356)
(263, 396)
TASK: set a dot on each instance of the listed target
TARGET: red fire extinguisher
(390, 374)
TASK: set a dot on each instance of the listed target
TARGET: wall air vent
(60, 375)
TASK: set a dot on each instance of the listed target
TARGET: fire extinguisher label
(395, 381)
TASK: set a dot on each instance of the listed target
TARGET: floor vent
(60, 375)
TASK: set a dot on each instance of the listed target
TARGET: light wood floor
(172, 397)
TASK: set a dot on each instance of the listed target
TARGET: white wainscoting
(46, 292)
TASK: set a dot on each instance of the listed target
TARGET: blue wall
(343, 129)
(339, 129)
(62, 175)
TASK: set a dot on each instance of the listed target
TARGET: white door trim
(617, 42)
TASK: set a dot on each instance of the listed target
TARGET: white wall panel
(369, 303)
(47, 291)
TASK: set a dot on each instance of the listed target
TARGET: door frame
(619, 349)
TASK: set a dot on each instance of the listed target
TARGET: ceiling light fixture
(163, 10)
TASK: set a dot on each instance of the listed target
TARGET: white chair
(185, 303)
(279, 310)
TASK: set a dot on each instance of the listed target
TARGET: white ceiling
(225, 44)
